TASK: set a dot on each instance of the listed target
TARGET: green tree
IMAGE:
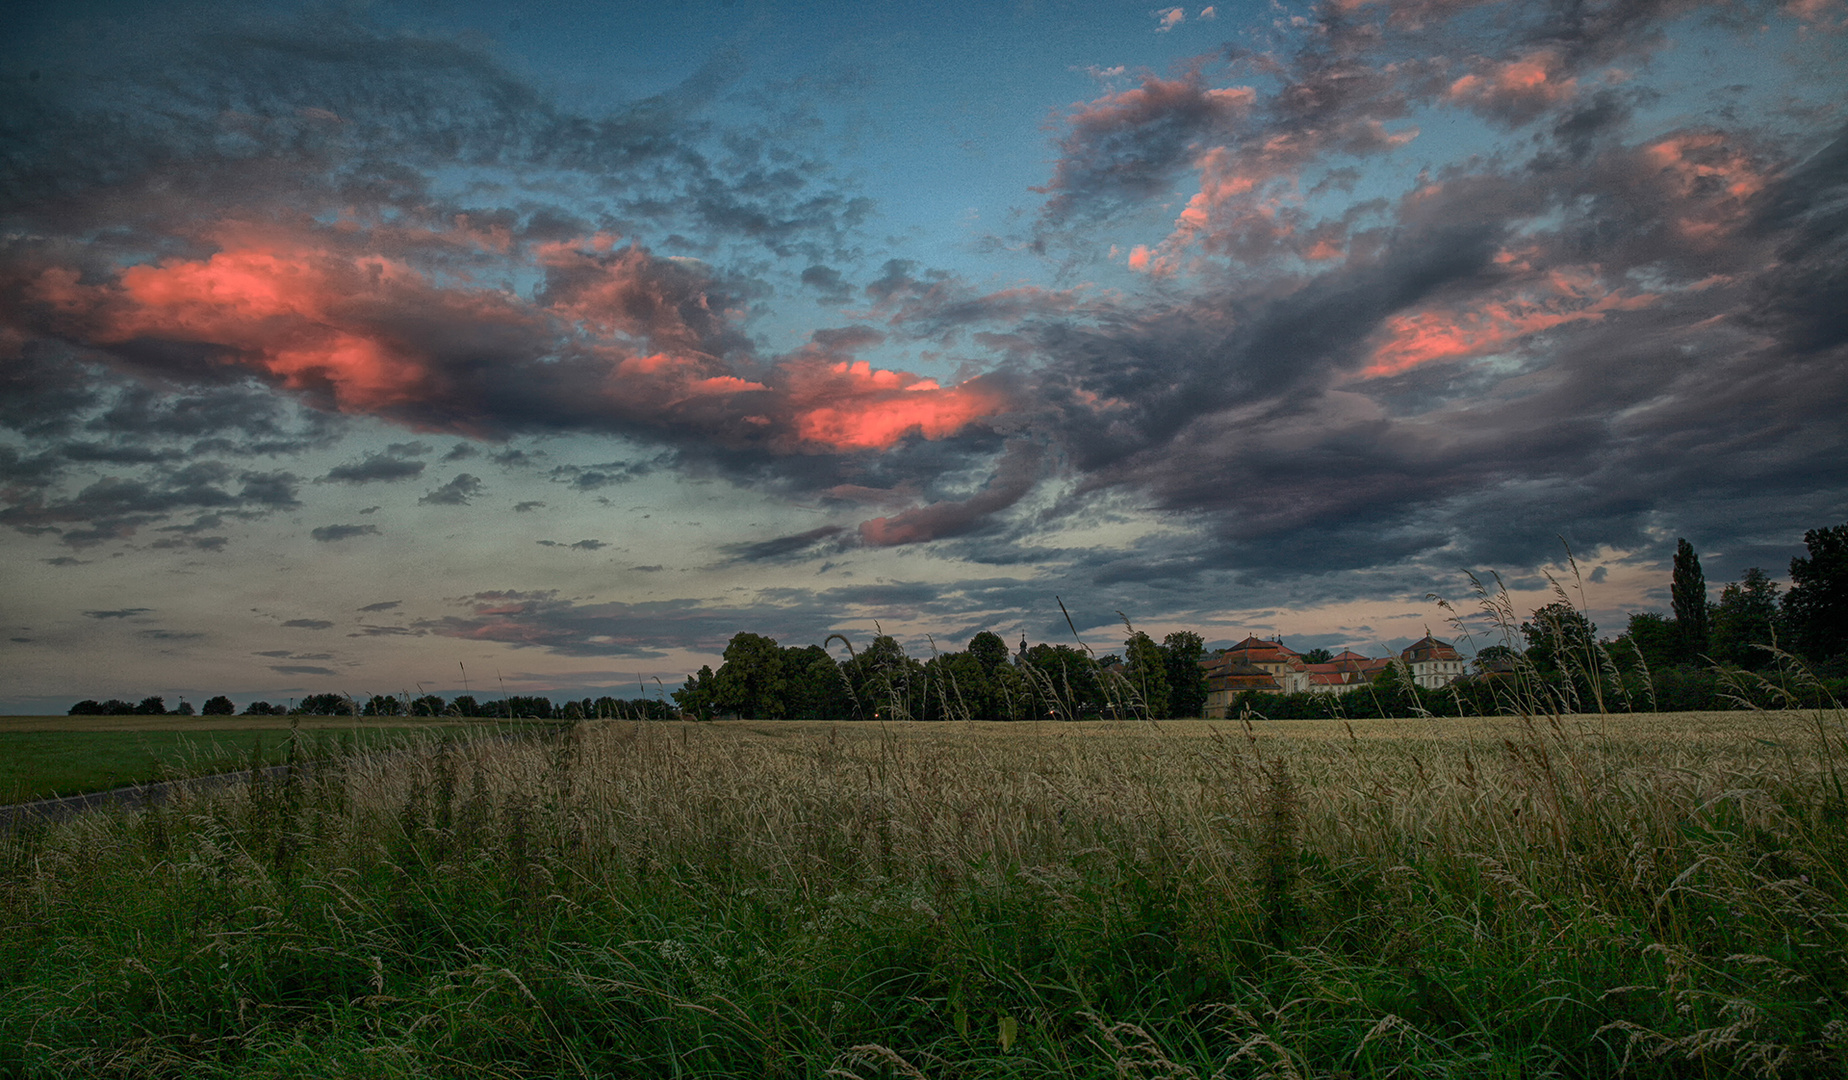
(1495, 658)
(1651, 639)
(463, 705)
(1062, 683)
(1183, 651)
(816, 690)
(328, 705)
(218, 706)
(1746, 618)
(988, 649)
(1688, 594)
(1318, 656)
(1146, 668)
(1816, 607)
(1560, 639)
(152, 706)
(377, 705)
(427, 705)
(695, 697)
(886, 683)
(750, 681)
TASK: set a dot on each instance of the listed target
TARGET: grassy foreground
(1647, 895)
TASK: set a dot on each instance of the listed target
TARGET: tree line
(424, 705)
(760, 679)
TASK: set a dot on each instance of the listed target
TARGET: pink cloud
(850, 405)
(615, 333)
(1435, 334)
(1514, 90)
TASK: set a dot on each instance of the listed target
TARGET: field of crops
(1650, 895)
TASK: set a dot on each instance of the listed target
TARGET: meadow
(1642, 895)
(42, 757)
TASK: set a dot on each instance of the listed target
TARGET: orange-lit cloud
(300, 314)
(849, 405)
(614, 332)
(1515, 89)
(1710, 177)
(1437, 334)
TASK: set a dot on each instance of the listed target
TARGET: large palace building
(1275, 668)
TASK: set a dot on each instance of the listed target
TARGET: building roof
(1429, 648)
(1239, 676)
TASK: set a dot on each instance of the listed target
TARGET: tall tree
(1745, 619)
(751, 682)
(1183, 651)
(1559, 638)
(815, 688)
(1062, 681)
(1147, 670)
(1817, 603)
(988, 649)
(1688, 593)
(696, 696)
(1650, 639)
(886, 683)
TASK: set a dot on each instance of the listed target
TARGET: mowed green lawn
(46, 756)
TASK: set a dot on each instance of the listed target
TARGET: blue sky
(345, 348)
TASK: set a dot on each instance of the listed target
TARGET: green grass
(1588, 897)
(44, 764)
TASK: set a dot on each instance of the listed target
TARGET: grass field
(1649, 895)
(46, 756)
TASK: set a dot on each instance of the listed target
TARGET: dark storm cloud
(1488, 374)
(800, 545)
(116, 507)
(375, 467)
(830, 287)
(607, 474)
(331, 533)
(382, 605)
(301, 669)
(309, 624)
(119, 613)
(455, 493)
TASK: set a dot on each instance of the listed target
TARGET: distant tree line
(760, 679)
(429, 705)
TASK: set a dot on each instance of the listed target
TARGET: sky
(400, 346)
